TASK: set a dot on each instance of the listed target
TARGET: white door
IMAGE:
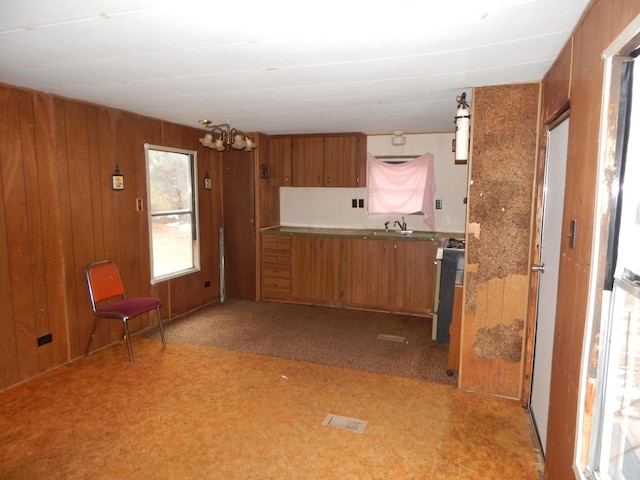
(551, 236)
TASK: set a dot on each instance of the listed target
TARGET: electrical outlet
(361, 203)
(438, 204)
(354, 203)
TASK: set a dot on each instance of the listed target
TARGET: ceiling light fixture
(222, 137)
(398, 138)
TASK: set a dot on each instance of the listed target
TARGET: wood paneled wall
(579, 87)
(501, 175)
(58, 213)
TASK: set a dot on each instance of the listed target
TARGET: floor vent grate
(344, 423)
(391, 338)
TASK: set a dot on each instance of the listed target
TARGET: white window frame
(599, 299)
(193, 211)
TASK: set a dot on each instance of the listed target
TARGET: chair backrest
(104, 282)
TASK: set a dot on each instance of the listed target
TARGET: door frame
(534, 255)
(550, 242)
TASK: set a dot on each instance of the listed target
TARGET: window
(401, 187)
(608, 446)
(173, 216)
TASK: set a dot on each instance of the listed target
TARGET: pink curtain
(402, 188)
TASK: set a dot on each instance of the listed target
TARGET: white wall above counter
(332, 207)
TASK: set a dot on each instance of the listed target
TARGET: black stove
(457, 243)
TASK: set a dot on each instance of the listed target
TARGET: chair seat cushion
(130, 307)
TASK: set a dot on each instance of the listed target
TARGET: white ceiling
(282, 66)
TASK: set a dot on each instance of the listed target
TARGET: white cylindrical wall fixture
(463, 115)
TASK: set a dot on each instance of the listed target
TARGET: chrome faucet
(402, 225)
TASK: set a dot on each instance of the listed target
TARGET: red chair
(104, 282)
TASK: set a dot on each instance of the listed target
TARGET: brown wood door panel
(307, 161)
(366, 273)
(280, 151)
(413, 276)
(239, 224)
(302, 263)
(341, 161)
(327, 254)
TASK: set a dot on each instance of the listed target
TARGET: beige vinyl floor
(198, 412)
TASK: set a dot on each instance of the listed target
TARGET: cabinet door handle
(538, 268)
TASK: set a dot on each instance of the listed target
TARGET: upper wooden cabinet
(307, 161)
(345, 160)
(279, 162)
(332, 160)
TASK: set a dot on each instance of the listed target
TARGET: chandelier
(222, 137)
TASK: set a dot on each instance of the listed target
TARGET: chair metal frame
(104, 283)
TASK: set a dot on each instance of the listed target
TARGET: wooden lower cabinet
(399, 276)
(375, 274)
(413, 283)
(275, 267)
(366, 273)
(326, 270)
(315, 269)
(302, 262)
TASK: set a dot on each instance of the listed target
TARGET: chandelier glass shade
(222, 137)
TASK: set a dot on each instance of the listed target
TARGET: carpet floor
(323, 335)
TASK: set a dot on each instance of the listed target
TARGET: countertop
(362, 233)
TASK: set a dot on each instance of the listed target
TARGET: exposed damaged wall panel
(501, 171)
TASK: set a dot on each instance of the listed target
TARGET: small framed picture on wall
(117, 180)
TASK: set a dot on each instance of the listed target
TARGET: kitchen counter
(362, 233)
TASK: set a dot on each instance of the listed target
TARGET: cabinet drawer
(276, 257)
(276, 271)
(276, 285)
(276, 242)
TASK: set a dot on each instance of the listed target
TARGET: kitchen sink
(403, 233)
